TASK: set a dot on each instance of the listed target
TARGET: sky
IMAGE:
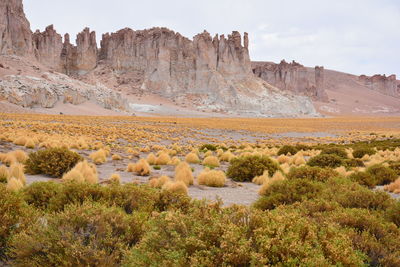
(354, 36)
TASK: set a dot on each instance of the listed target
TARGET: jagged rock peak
(15, 32)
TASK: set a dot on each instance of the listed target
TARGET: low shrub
(362, 151)
(312, 173)
(395, 165)
(86, 235)
(39, 194)
(244, 169)
(338, 151)
(382, 175)
(277, 177)
(209, 147)
(288, 192)
(53, 161)
(286, 149)
(325, 160)
(363, 178)
(350, 163)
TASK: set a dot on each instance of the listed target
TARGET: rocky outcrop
(15, 32)
(293, 77)
(380, 83)
(45, 92)
(210, 71)
(47, 46)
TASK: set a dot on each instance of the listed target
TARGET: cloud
(355, 36)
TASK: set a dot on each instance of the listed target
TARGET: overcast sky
(355, 36)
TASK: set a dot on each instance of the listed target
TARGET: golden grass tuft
(99, 156)
(20, 141)
(259, 180)
(30, 143)
(14, 184)
(17, 171)
(278, 176)
(115, 178)
(283, 159)
(212, 178)
(174, 161)
(211, 161)
(227, 156)
(208, 153)
(151, 159)
(192, 158)
(4, 175)
(116, 157)
(177, 187)
(298, 160)
(142, 168)
(393, 187)
(163, 159)
(82, 172)
(159, 182)
(183, 173)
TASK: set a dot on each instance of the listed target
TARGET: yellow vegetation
(183, 173)
(163, 159)
(393, 187)
(115, 178)
(4, 175)
(211, 161)
(99, 157)
(14, 184)
(151, 159)
(278, 176)
(178, 187)
(192, 158)
(82, 172)
(116, 157)
(141, 168)
(17, 171)
(212, 178)
(159, 182)
(262, 178)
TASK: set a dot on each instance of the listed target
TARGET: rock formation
(380, 83)
(46, 91)
(293, 77)
(209, 71)
(15, 32)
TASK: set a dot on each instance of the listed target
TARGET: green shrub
(362, 151)
(335, 151)
(156, 167)
(15, 216)
(349, 163)
(363, 178)
(210, 147)
(39, 194)
(395, 165)
(53, 161)
(382, 175)
(393, 213)
(288, 192)
(86, 235)
(284, 150)
(311, 173)
(244, 169)
(325, 160)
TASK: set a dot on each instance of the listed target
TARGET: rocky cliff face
(209, 71)
(380, 83)
(293, 77)
(15, 32)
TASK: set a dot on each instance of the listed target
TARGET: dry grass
(174, 161)
(30, 143)
(259, 180)
(151, 159)
(115, 178)
(278, 176)
(192, 158)
(116, 157)
(163, 159)
(211, 161)
(183, 173)
(141, 168)
(212, 178)
(99, 157)
(393, 187)
(159, 182)
(283, 159)
(4, 175)
(17, 171)
(14, 184)
(82, 172)
(227, 156)
(177, 187)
